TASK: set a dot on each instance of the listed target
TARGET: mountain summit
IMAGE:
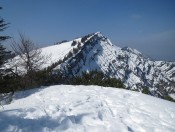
(96, 52)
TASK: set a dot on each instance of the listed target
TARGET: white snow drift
(86, 108)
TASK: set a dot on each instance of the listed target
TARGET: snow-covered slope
(52, 53)
(129, 65)
(86, 108)
(95, 51)
(57, 52)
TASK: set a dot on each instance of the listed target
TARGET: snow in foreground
(86, 108)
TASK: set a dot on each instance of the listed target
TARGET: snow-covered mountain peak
(136, 71)
(98, 32)
(96, 52)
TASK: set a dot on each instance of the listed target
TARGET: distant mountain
(96, 52)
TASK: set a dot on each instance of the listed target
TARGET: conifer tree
(3, 51)
(3, 58)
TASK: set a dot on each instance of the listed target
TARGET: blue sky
(146, 25)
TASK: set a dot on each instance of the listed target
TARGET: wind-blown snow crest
(86, 108)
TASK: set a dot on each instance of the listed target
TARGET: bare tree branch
(29, 56)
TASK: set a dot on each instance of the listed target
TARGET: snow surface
(57, 52)
(53, 54)
(86, 108)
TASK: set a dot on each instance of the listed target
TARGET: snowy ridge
(95, 51)
(86, 108)
(129, 65)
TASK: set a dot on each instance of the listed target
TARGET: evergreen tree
(3, 51)
(4, 73)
